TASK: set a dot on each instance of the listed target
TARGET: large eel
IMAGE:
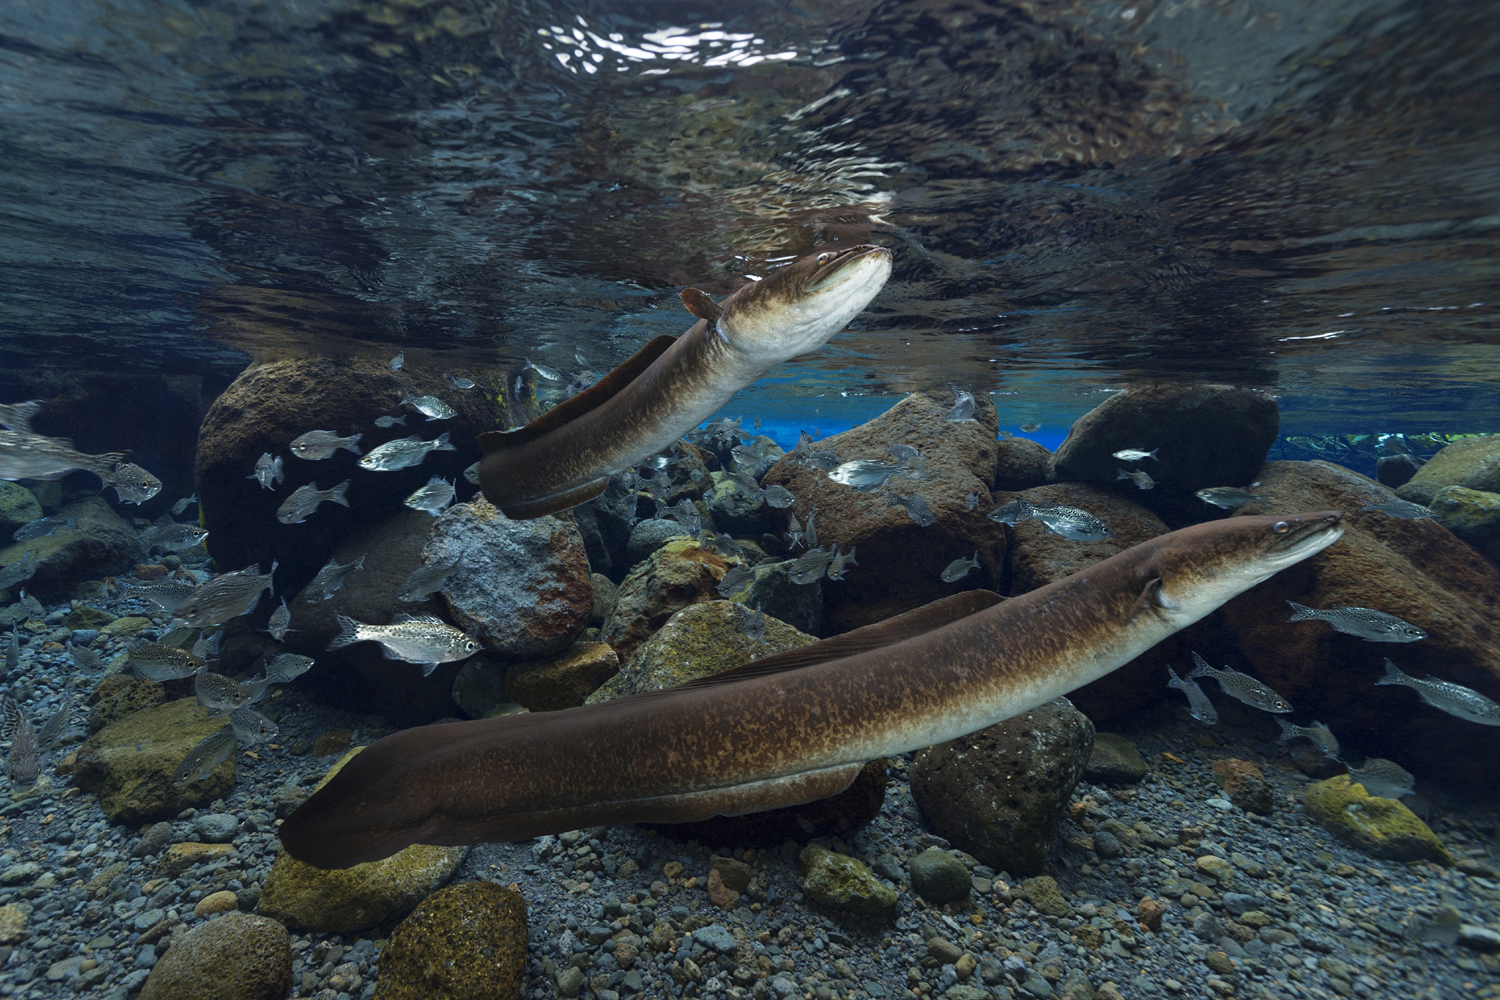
(796, 726)
(566, 456)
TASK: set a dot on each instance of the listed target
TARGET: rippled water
(1303, 197)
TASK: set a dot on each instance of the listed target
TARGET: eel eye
(824, 258)
(1281, 527)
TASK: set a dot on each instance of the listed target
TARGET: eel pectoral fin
(1145, 602)
(529, 509)
(701, 304)
(591, 398)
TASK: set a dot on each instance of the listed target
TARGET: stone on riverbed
(464, 942)
(237, 956)
(1382, 828)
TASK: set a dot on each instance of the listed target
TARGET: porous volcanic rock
(102, 544)
(1473, 463)
(677, 574)
(999, 794)
(270, 404)
(461, 943)
(899, 561)
(1020, 464)
(1204, 435)
(237, 956)
(1415, 569)
(845, 883)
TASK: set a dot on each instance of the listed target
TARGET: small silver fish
(218, 693)
(224, 597)
(206, 647)
(267, 471)
(685, 513)
(213, 750)
(1136, 454)
(1455, 699)
(1375, 626)
(434, 498)
(132, 484)
(1383, 778)
(1139, 477)
(21, 570)
(1199, 707)
(1241, 687)
(174, 537)
(1030, 428)
(84, 658)
(1399, 508)
(752, 622)
(305, 499)
(17, 416)
(793, 533)
(543, 371)
(1231, 497)
(156, 662)
(959, 568)
(972, 501)
(810, 533)
(809, 566)
(42, 527)
(1069, 522)
(280, 623)
(169, 595)
(330, 578)
(315, 446)
(735, 581)
(1321, 736)
(429, 406)
(778, 496)
(184, 504)
(250, 727)
(459, 382)
(424, 581)
(31, 604)
(916, 507)
(864, 475)
(422, 640)
(403, 453)
(841, 560)
(33, 456)
(288, 667)
(963, 407)
(391, 421)
(398, 361)
(472, 474)
(581, 361)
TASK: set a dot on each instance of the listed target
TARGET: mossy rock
(1043, 893)
(1382, 828)
(844, 883)
(129, 763)
(234, 957)
(939, 877)
(677, 574)
(699, 641)
(84, 616)
(18, 506)
(125, 696)
(461, 943)
(1115, 759)
(1473, 515)
(562, 681)
(352, 899)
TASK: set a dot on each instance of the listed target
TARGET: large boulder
(1473, 463)
(237, 956)
(129, 763)
(464, 942)
(270, 404)
(18, 505)
(1382, 828)
(674, 576)
(900, 562)
(1473, 515)
(770, 588)
(102, 544)
(1203, 435)
(1415, 569)
(1000, 793)
(1020, 464)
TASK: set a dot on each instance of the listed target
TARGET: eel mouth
(1300, 535)
(839, 263)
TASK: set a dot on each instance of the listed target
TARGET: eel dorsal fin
(701, 304)
(591, 398)
(887, 633)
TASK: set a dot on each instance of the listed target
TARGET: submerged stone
(1473, 463)
(845, 883)
(939, 877)
(237, 956)
(1382, 828)
(562, 681)
(1114, 758)
(465, 942)
(677, 574)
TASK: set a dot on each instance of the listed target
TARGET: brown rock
(130, 763)
(234, 957)
(1246, 785)
(217, 902)
(151, 571)
(563, 681)
(335, 741)
(125, 695)
(674, 576)
(465, 942)
(1149, 912)
(734, 874)
(719, 894)
(178, 858)
(1021, 465)
(899, 561)
(1472, 462)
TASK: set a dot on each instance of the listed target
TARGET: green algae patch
(844, 883)
(1382, 828)
(461, 942)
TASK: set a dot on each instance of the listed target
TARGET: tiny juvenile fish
(390, 421)
(21, 570)
(280, 622)
(250, 727)
(963, 407)
(916, 507)
(305, 499)
(1375, 626)
(959, 568)
(1136, 454)
(330, 578)
(184, 504)
(429, 406)
(168, 595)
(434, 498)
(1399, 508)
(156, 662)
(735, 580)
(287, 667)
(268, 470)
(398, 361)
(403, 453)
(17, 416)
(543, 371)
(1139, 477)
(84, 658)
(809, 566)
(460, 382)
(1383, 778)
(422, 640)
(42, 527)
(1231, 497)
(972, 501)
(213, 750)
(1030, 428)
(1455, 699)
(1321, 736)
(174, 537)
(778, 496)
(472, 474)
(810, 533)
(132, 484)
(315, 446)
(752, 622)
(1199, 707)
(424, 581)
(840, 560)
(1241, 687)
(224, 597)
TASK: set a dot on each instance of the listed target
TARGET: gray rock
(1114, 759)
(1236, 903)
(479, 686)
(649, 535)
(1396, 471)
(939, 877)
(1473, 515)
(1206, 927)
(244, 957)
(717, 937)
(16, 874)
(102, 544)
(800, 605)
(1107, 845)
(739, 515)
(216, 828)
(18, 506)
(1477, 937)
(605, 593)
(153, 839)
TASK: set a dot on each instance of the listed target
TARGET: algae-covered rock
(1382, 828)
(1473, 515)
(17, 507)
(844, 882)
(677, 574)
(351, 899)
(939, 877)
(101, 544)
(698, 641)
(770, 588)
(129, 763)
(1043, 893)
(1473, 463)
(234, 957)
(740, 515)
(464, 942)
(1115, 759)
(563, 681)
(126, 695)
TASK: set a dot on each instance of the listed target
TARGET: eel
(566, 456)
(796, 726)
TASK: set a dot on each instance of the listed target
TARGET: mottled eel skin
(797, 726)
(566, 456)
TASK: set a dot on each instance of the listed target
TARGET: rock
(1149, 912)
(85, 617)
(129, 763)
(1477, 937)
(771, 589)
(719, 894)
(738, 515)
(222, 901)
(1043, 893)
(562, 681)
(153, 839)
(1472, 515)
(605, 594)
(1313, 762)
(1396, 471)
(999, 794)
(465, 942)
(18, 506)
(1021, 464)
(1471, 462)
(939, 877)
(716, 937)
(234, 957)
(1382, 828)
(479, 686)
(125, 626)
(13, 918)
(605, 523)
(1412, 568)
(216, 828)
(1216, 868)
(649, 535)
(268, 405)
(698, 641)
(1246, 785)
(1204, 435)
(102, 544)
(900, 562)
(734, 874)
(1114, 759)
(333, 742)
(844, 883)
(522, 587)
(127, 696)
(180, 857)
(677, 574)
(352, 899)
